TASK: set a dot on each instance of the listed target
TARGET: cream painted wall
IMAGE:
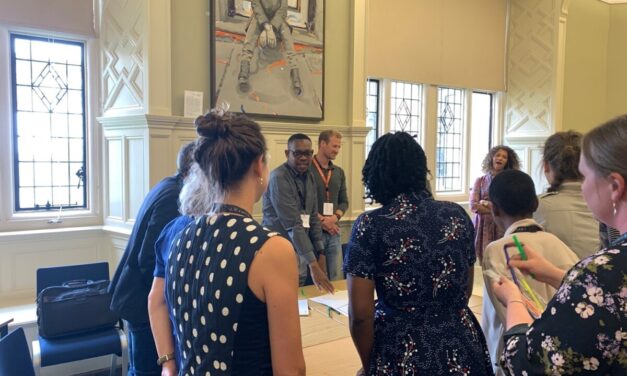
(190, 50)
(585, 68)
(191, 60)
(616, 62)
(446, 42)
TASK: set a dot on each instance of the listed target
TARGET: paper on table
(303, 308)
(337, 301)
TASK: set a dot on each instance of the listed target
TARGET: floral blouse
(584, 328)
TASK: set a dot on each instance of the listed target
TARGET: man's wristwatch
(165, 358)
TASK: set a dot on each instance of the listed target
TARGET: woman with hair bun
(231, 285)
(562, 211)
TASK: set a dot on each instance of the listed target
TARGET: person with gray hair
(132, 280)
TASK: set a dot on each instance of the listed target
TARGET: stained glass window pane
(372, 113)
(49, 123)
(449, 143)
(405, 112)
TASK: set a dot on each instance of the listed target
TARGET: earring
(614, 207)
(261, 183)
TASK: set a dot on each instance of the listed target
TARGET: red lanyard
(325, 179)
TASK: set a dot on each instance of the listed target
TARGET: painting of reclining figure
(268, 57)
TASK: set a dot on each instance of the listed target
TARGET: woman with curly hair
(418, 254)
(499, 158)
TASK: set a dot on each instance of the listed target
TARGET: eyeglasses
(301, 153)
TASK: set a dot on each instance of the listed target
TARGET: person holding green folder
(583, 329)
(514, 200)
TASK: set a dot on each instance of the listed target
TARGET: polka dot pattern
(206, 285)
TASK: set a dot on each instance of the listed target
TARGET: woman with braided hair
(418, 254)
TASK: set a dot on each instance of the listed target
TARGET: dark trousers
(142, 351)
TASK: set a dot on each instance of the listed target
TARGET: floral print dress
(583, 331)
(418, 252)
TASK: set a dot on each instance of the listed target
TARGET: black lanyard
(301, 195)
(233, 209)
(530, 228)
(621, 239)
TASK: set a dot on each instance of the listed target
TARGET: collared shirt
(289, 195)
(337, 187)
(494, 265)
(565, 214)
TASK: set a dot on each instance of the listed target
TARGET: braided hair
(396, 164)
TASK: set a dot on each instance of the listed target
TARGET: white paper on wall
(193, 103)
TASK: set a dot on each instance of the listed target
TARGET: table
(327, 345)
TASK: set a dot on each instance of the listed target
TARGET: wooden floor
(327, 344)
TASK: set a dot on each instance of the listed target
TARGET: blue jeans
(142, 351)
(333, 249)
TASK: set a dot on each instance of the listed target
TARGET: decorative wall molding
(532, 63)
(122, 46)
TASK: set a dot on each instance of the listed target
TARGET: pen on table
(329, 310)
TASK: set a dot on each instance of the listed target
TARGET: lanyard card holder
(534, 303)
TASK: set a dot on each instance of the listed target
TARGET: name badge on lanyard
(327, 208)
(305, 219)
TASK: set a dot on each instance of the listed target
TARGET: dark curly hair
(561, 152)
(512, 159)
(396, 164)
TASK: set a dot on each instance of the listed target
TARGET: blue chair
(48, 352)
(14, 355)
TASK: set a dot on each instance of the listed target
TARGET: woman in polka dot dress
(232, 285)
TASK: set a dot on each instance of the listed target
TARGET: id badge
(305, 219)
(327, 208)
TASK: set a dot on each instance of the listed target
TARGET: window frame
(429, 129)
(14, 122)
(10, 219)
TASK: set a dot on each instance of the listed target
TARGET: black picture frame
(270, 90)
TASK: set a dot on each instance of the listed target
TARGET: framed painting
(267, 57)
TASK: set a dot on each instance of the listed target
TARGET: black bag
(75, 307)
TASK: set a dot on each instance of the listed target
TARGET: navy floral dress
(418, 251)
(583, 330)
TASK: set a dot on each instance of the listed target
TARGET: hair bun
(214, 124)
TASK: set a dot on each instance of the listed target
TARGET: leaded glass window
(372, 113)
(48, 83)
(405, 108)
(450, 140)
